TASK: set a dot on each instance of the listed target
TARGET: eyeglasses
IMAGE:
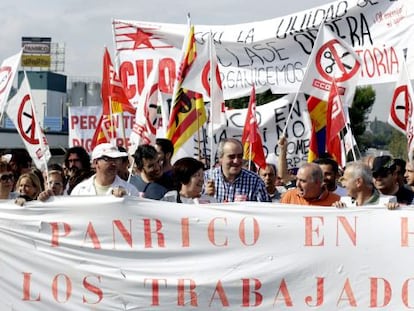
(109, 159)
(7, 177)
(55, 183)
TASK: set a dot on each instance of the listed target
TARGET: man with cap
(386, 180)
(106, 158)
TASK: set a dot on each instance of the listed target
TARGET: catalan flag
(317, 112)
(188, 113)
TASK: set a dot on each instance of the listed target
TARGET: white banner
(104, 253)
(272, 53)
(271, 117)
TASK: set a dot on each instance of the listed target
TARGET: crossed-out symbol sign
(26, 121)
(405, 106)
(5, 75)
(333, 61)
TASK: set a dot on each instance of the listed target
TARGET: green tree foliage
(361, 108)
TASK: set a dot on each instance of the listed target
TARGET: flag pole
(210, 54)
(304, 75)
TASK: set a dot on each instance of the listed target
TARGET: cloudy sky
(84, 26)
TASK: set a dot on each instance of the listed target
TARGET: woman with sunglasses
(6, 182)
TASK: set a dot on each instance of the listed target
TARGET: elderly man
(230, 181)
(106, 159)
(357, 180)
(310, 188)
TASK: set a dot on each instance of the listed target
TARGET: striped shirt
(248, 185)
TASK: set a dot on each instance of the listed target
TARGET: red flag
(251, 139)
(188, 113)
(335, 122)
(114, 103)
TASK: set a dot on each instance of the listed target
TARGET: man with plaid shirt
(230, 182)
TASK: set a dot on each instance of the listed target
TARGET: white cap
(108, 150)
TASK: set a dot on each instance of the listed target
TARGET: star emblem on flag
(141, 37)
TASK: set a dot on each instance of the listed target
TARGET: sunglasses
(108, 159)
(381, 174)
(6, 177)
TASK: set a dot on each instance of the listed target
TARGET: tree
(361, 108)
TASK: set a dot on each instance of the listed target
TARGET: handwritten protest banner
(272, 53)
(105, 253)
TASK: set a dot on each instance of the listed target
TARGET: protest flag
(331, 59)
(335, 123)
(23, 113)
(188, 113)
(114, 103)
(317, 113)
(144, 130)
(8, 70)
(251, 139)
(401, 113)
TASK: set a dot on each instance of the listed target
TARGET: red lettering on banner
(374, 293)
(350, 297)
(61, 288)
(351, 232)
(134, 76)
(404, 295)
(310, 229)
(212, 230)
(85, 143)
(56, 233)
(90, 231)
(219, 289)
(26, 288)
(255, 231)
(258, 297)
(93, 289)
(185, 232)
(319, 294)
(181, 301)
(283, 289)
(148, 233)
(405, 233)
(84, 122)
(67, 288)
(378, 62)
(155, 286)
(124, 232)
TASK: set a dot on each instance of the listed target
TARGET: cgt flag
(251, 140)
(114, 103)
(188, 113)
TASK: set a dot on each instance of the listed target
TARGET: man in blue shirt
(230, 182)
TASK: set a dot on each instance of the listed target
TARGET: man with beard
(310, 188)
(230, 182)
(384, 171)
(106, 159)
(150, 182)
(77, 167)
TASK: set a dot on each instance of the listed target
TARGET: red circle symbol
(205, 78)
(401, 119)
(333, 61)
(26, 119)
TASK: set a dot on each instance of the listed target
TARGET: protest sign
(106, 253)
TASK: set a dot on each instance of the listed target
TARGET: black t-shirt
(404, 196)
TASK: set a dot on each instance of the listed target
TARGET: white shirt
(87, 187)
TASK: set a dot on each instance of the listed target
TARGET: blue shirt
(248, 184)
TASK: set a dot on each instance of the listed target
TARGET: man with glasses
(386, 180)
(106, 159)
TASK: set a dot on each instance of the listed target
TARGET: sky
(84, 26)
